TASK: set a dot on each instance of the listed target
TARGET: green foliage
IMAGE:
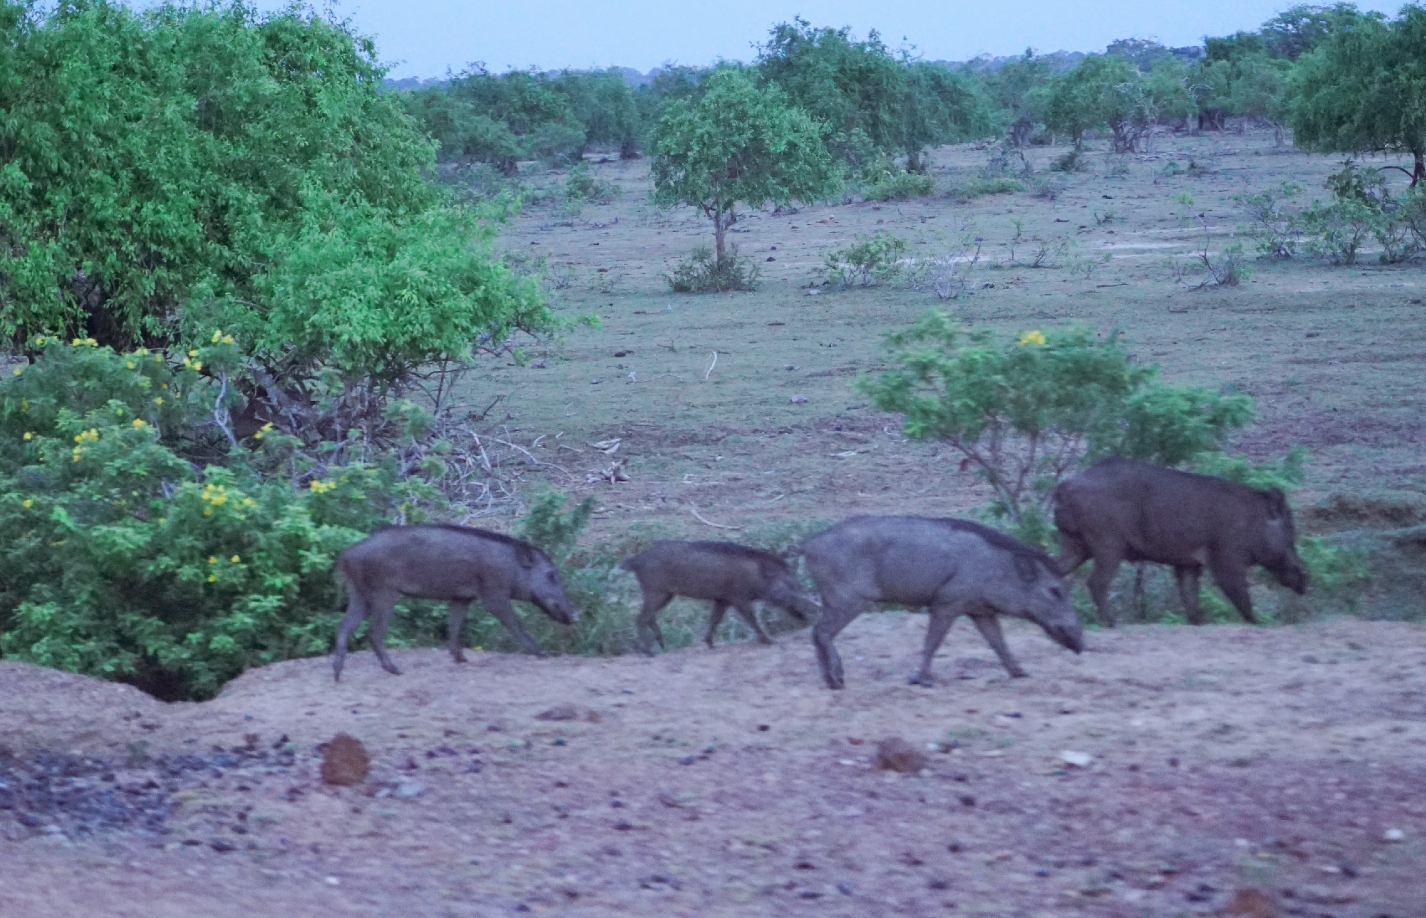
(1363, 89)
(873, 260)
(1275, 230)
(899, 185)
(127, 559)
(583, 187)
(704, 272)
(871, 101)
(738, 143)
(980, 186)
(1026, 412)
(1108, 91)
(1020, 90)
(549, 526)
(194, 167)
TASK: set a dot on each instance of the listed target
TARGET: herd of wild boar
(1115, 511)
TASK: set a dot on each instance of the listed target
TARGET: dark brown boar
(725, 573)
(1120, 510)
(458, 564)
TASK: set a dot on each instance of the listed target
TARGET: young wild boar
(455, 563)
(725, 573)
(953, 567)
(1119, 510)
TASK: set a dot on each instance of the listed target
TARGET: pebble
(1077, 759)
(895, 754)
(1394, 835)
(407, 789)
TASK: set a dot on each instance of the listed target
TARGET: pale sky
(425, 38)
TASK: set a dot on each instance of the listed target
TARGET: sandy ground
(731, 782)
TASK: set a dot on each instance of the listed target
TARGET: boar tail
(628, 564)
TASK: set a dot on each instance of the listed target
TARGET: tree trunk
(914, 162)
(1420, 171)
(720, 229)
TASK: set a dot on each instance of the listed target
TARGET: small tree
(1026, 412)
(738, 143)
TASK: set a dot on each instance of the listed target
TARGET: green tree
(1364, 90)
(201, 167)
(1092, 96)
(1020, 88)
(1026, 412)
(738, 143)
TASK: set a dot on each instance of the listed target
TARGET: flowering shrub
(141, 545)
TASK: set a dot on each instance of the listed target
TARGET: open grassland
(1333, 356)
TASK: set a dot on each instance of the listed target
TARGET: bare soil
(730, 782)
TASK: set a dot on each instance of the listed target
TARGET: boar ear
(526, 555)
(1278, 502)
(1027, 568)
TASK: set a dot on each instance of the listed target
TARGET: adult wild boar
(725, 573)
(1120, 510)
(954, 567)
(459, 564)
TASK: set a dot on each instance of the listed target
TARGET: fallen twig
(711, 366)
(698, 516)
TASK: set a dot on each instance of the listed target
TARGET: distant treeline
(881, 107)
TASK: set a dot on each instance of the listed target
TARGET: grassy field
(1332, 355)
(774, 433)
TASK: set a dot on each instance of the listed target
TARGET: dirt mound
(730, 782)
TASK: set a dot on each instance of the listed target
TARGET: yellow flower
(40, 340)
(140, 422)
(158, 401)
(75, 343)
(197, 366)
(29, 435)
(227, 339)
(27, 503)
(212, 559)
(193, 353)
(207, 511)
(249, 502)
(212, 578)
(75, 453)
(18, 370)
(236, 559)
(217, 336)
(90, 342)
(130, 364)
(141, 352)
(1032, 337)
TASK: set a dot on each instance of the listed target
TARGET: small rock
(559, 712)
(1251, 903)
(407, 789)
(799, 399)
(1394, 835)
(1077, 759)
(895, 754)
(345, 761)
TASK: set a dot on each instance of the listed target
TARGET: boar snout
(1294, 576)
(1071, 637)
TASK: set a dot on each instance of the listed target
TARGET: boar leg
(1188, 592)
(1106, 565)
(356, 611)
(833, 619)
(648, 620)
(381, 606)
(942, 617)
(1232, 579)
(1073, 553)
(745, 610)
(457, 618)
(989, 627)
(714, 620)
(499, 606)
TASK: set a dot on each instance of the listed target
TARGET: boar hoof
(458, 657)
(393, 669)
(1019, 674)
(921, 679)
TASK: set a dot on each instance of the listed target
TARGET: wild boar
(953, 567)
(723, 572)
(456, 563)
(1120, 510)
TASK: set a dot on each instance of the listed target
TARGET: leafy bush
(702, 272)
(1276, 232)
(867, 262)
(979, 187)
(127, 559)
(1337, 231)
(899, 186)
(1074, 160)
(583, 187)
(1026, 412)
